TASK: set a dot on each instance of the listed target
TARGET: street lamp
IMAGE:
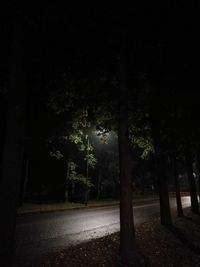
(102, 137)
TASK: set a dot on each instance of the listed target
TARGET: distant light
(103, 136)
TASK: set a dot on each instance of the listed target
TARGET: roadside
(156, 246)
(29, 208)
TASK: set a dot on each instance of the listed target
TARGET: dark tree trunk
(198, 169)
(162, 179)
(99, 184)
(24, 181)
(165, 212)
(66, 197)
(13, 149)
(191, 180)
(127, 230)
(177, 187)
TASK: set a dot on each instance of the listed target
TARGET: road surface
(39, 234)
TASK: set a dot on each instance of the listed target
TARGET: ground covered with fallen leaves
(156, 246)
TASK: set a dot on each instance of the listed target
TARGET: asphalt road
(41, 233)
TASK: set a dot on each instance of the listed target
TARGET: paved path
(41, 233)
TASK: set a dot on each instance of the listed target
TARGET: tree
(14, 142)
(76, 150)
(191, 179)
(127, 230)
(198, 166)
(177, 186)
(158, 117)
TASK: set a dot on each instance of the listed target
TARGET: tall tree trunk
(99, 184)
(165, 212)
(67, 183)
(99, 173)
(198, 169)
(191, 180)
(13, 148)
(127, 230)
(177, 187)
(162, 179)
(24, 181)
